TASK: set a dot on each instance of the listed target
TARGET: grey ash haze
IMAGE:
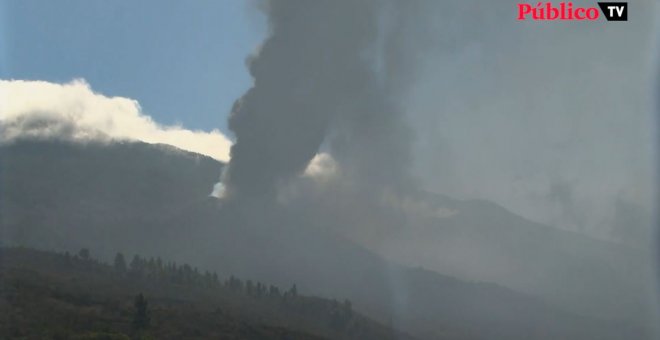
(552, 120)
(461, 99)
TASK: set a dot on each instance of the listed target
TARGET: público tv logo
(612, 11)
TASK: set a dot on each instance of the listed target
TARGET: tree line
(155, 269)
(185, 274)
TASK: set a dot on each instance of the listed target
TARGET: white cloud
(218, 190)
(72, 110)
(322, 167)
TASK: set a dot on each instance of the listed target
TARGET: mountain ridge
(179, 218)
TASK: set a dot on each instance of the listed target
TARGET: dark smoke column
(322, 69)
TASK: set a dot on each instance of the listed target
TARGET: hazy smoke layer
(333, 72)
(39, 109)
(553, 120)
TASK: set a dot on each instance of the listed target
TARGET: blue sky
(184, 61)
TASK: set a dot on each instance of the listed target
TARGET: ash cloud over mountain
(409, 97)
(330, 76)
(415, 94)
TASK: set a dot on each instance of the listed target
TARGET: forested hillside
(48, 295)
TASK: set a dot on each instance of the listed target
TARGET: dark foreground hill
(140, 198)
(47, 295)
(59, 194)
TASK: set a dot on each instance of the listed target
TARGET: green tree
(348, 307)
(137, 266)
(120, 263)
(67, 258)
(274, 291)
(141, 318)
(84, 254)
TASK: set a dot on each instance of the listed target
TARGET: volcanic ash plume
(331, 73)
